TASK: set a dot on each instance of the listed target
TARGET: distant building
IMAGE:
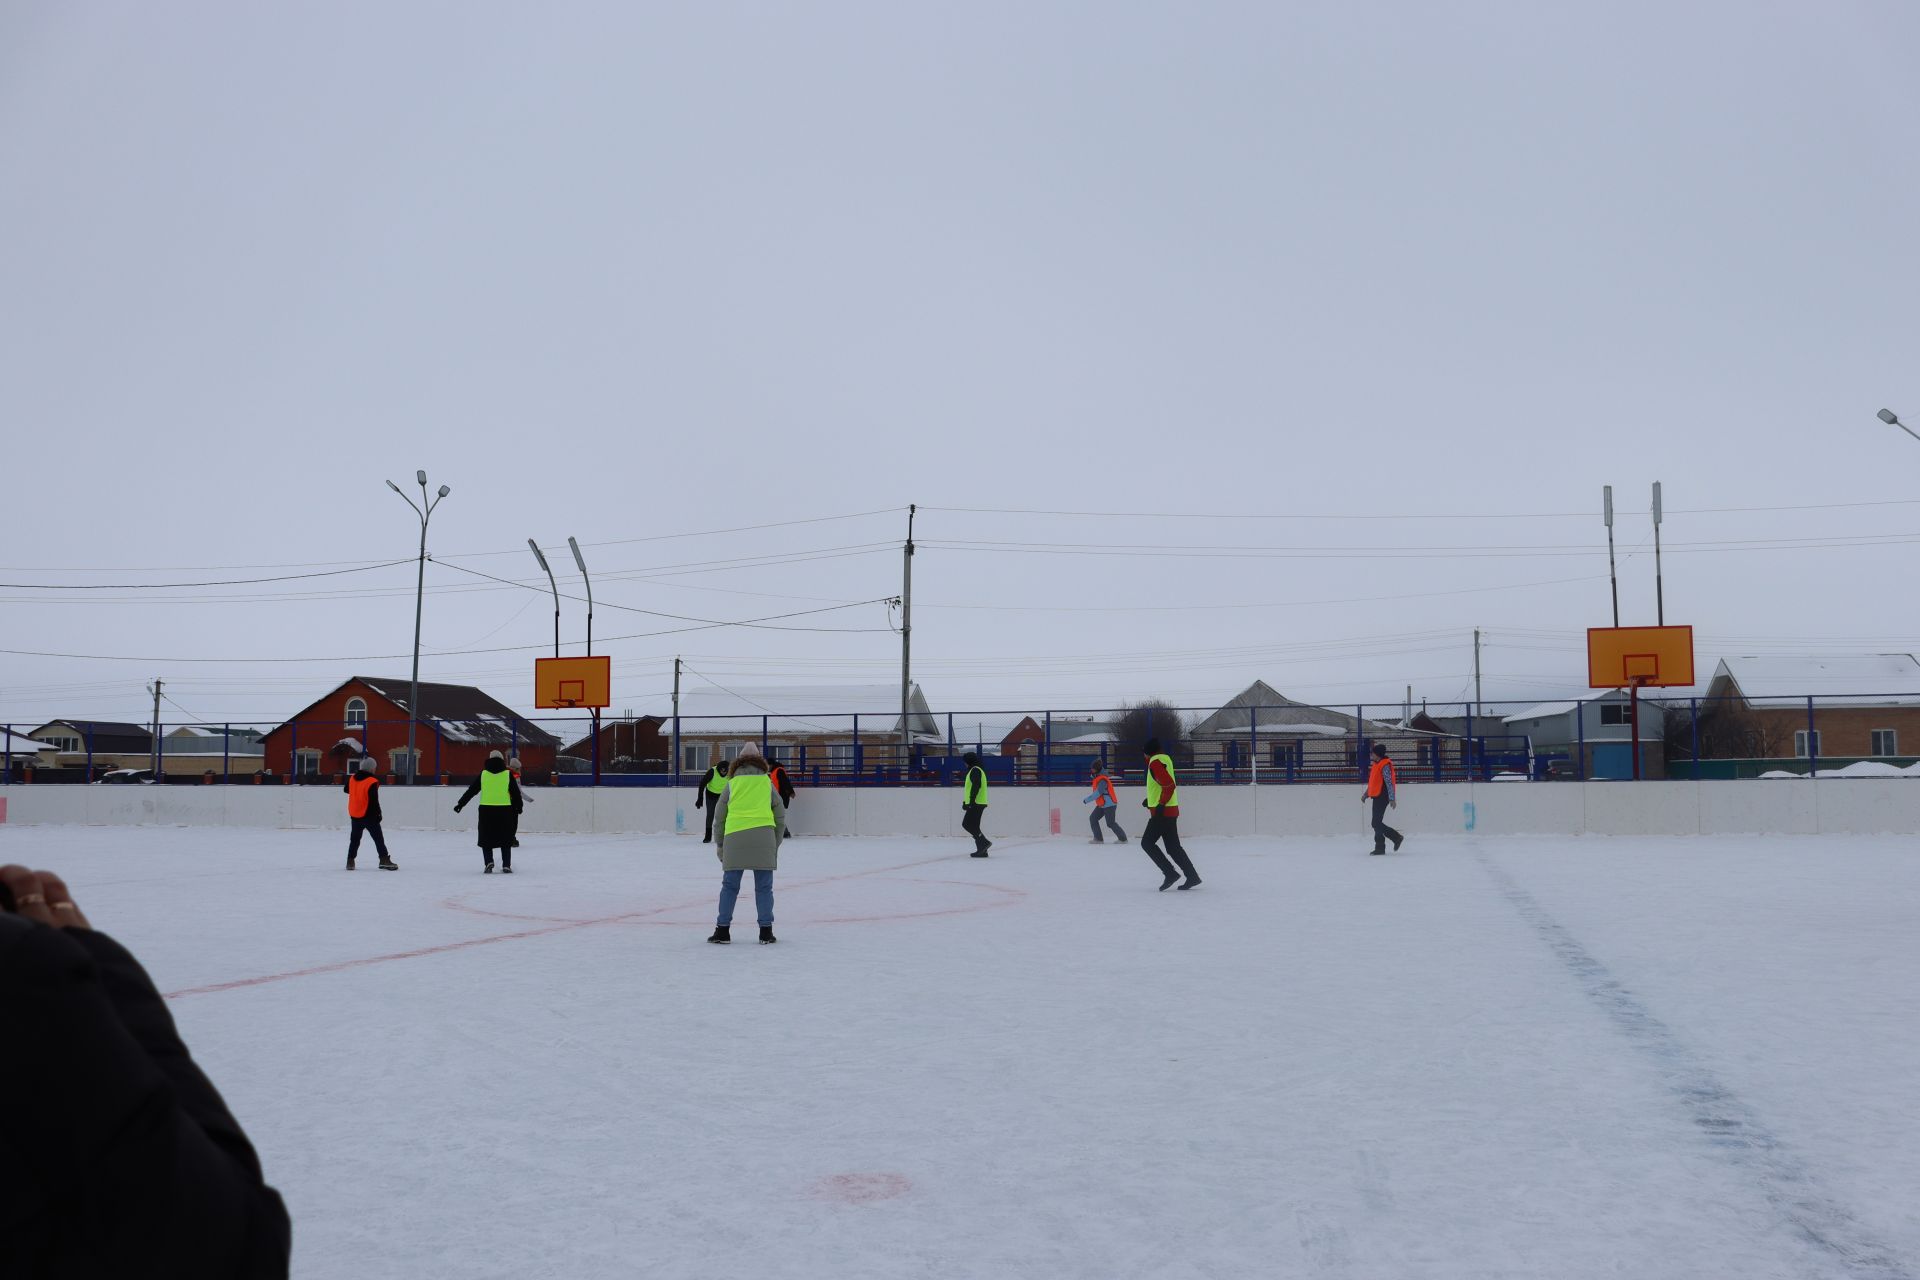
(1261, 733)
(1863, 707)
(827, 730)
(1594, 733)
(105, 744)
(223, 751)
(628, 744)
(368, 716)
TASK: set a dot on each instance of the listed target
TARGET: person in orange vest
(784, 786)
(1106, 805)
(520, 801)
(363, 811)
(1380, 790)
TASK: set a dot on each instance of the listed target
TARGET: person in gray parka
(748, 817)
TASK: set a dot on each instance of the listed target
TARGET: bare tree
(1151, 718)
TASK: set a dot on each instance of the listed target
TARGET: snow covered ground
(1499, 1057)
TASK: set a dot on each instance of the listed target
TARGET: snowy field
(1499, 1057)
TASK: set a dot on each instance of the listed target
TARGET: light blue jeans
(762, 896)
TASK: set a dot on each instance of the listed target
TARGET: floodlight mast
(1606, 495)
(423, 509)
(1892, 419)
(556, 593)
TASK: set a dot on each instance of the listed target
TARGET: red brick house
(1863, 707)
(458, 726)
(630, 744)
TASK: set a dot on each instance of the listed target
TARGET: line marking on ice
(1733, 1130)
(361, 962)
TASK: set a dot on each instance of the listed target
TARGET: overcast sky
(1395, 287)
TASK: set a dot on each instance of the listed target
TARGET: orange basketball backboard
(1649, 657)
(572, 682)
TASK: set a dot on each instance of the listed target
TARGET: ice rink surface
(1500, 1057)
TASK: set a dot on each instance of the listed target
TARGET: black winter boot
(349, 864)
(722, 933)
(388, 864)
(766, 935)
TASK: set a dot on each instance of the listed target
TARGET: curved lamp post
(423, 509)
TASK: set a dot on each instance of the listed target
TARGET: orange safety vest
(1381, 775)
(777, 776)
(1102, 783)
(358, 789)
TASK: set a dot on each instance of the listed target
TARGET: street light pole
(581, 562)
(423, 509)
(556, 593)
(1892, 419)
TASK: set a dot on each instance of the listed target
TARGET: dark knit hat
(1152, 747)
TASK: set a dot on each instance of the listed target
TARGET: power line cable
(168, 586)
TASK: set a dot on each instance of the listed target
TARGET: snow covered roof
(1540, 712)
(1857, 680)
(802, 710)
(21, 745)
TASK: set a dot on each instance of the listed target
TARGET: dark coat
(497, 821)
(121, 1160)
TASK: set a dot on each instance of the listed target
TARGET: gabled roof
(1282, 715)
(107, 735)
(1857, 680)
(462, 712)
(802, 710)
(21, 745)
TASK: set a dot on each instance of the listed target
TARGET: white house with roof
(1594, 732)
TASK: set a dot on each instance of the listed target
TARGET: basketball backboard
(572, 682)
(1639, 657)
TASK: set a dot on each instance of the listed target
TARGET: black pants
(371, 826)
(1113, 823)
(971, 825)
(506, 855)
(1166, 827)
(1381, 831)
(708, 838)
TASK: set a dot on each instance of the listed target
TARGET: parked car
(123, 776)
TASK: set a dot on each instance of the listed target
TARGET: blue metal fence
(1289, 744)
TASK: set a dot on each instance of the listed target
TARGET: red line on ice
(563, 926)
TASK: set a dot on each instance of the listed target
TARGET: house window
(1800, 744)
(1612, 713)
(356, 713)
(1886, 742)
(63, 741)
(306, 763)
(694, 757)
(840, 756)
(397, 761)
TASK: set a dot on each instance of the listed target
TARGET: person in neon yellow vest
(709, 794)
(750, 816)
(1163, 820)
(499, 800)
(973, 803)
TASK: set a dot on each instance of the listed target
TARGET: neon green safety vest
(1154, 799)
(749, 802)
(966, 787)
(496, 788)
(717, 783)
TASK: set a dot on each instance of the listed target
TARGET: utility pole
(158, 763)
(906, 651)
(1477, 708)
(1612, 574)
(1659, 586)
(676, 722)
